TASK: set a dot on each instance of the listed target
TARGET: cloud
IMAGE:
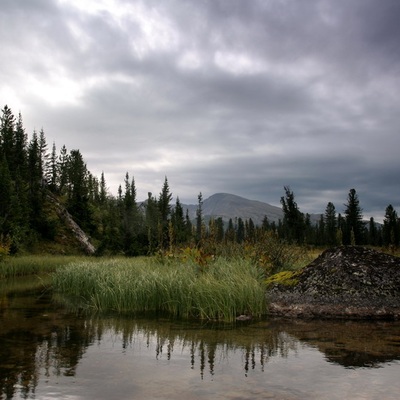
(219, 96)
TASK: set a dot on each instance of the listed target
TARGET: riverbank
(343, 282)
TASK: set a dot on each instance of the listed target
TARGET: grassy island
(222, 290)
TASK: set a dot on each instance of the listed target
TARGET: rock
(244, 317)
(343, 282)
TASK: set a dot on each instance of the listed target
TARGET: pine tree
(164, 206)
(240, 233)
(178, 223)
(199, 218)
(78, 195)
(20, 151)
(131, 219)
(35, 193)
(62, 168)
(103, 190)
(251, 231)
(353, 218)
(7, 136)
(188, 226)
(6, 197)
(390, 227)
(219, 230)
(265, 224)
(52, 170)
(374, 234)
(152, 223)
(320, 231)
(330, 224)
(293, 219)
(230, 232)
(44, 156)
(8, 146)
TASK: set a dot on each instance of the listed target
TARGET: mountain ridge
(230, 206)
(227, 206)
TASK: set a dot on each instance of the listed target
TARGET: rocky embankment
(343, 282)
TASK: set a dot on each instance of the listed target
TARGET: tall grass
(221, 291)
(13, 266)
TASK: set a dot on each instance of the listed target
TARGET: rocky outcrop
(343, 282)
(72, 226)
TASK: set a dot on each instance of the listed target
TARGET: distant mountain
(228, 206)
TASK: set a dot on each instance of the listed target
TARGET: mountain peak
(227, 206)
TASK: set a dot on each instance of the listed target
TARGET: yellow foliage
(285, 278)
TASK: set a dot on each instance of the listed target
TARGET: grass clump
(14, 266)
(221, 291)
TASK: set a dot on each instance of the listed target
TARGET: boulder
(343, 282)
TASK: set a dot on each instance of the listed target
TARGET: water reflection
(41, 342)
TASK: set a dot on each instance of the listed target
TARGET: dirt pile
(343, 282)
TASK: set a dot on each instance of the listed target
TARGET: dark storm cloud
(219, 96)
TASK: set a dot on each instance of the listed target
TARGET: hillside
(228, 206)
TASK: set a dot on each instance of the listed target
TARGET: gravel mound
(343, 282)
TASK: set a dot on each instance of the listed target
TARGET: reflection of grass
(222, 291)
(22, 284)
(32, 264)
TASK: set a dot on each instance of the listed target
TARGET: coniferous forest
(35, 176)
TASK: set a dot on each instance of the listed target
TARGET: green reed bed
(222, 290)
(14, 266)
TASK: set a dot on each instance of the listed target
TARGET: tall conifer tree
(353, 220)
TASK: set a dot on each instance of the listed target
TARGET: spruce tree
(390, 227)
(164, 206)
(178, 223)
(44, 156)
(152, 223)
(199, 218)
(62, 168)
(131, 219)
(330, 224)
(6, 196)
(35, 193)
(374, 234)
(20, 151)
(353, 220)
(219, 229)
(52, 170)
(240, 233)
(230, 233)
(293, 219)
(103, 189)
(251, 231)
(7, 136)
(78, 194)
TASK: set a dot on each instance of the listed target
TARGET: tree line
(119, 224)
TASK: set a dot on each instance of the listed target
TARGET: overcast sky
(243, 97)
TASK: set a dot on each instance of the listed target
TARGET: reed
(222, 291)
(14, 266)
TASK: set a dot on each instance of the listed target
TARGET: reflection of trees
(351, 344)
(205, 344)
(38, 337)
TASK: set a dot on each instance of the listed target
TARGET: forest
(32, 174)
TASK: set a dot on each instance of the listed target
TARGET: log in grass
(222, 291)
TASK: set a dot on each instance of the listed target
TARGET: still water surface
(49, 352)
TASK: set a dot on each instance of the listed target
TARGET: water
(49, 352)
